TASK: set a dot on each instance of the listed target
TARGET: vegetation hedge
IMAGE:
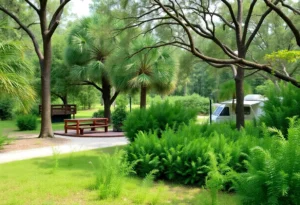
(157, 117)
(194, 101)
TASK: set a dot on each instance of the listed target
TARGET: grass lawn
(70, 179)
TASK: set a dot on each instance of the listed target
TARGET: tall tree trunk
(106, 97)
(143, 101)
(239, 78)
(239, 88)
(46, 126)
(45, 58)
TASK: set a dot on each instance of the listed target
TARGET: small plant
(143, 194)
(55, 155)
(4, 140)
(216, 178)
(27, 122)
(98, 114)
(111, 173)
(118, 117)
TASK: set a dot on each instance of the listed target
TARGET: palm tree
(135, 68)
(14, 72)
(89, 44)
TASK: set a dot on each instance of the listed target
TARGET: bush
(157, 117)
(6, 108)
(98, 114)
(273, 175)
(195, 101)
(184, 156)
(283, 102)
(118, 117)
(27, 122)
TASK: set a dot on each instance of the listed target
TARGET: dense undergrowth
(262, 167)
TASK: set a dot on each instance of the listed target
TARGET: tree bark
(65, 99)
(46, 126)
(143, 100)
(239, 79)
(106, 87)
(239, 88)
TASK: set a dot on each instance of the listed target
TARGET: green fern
(273, 174)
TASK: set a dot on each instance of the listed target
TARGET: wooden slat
(61, 109)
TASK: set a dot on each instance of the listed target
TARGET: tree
(191, 22)
(14, 74)
(133, 69)
(89, 45)
(44, 55)
(283, 10)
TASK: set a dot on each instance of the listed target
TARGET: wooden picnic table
(80, 124)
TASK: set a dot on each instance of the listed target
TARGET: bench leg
(81, 131)
(106, 129)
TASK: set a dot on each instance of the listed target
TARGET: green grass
(70, 179)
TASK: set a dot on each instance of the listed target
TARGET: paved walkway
(74, 145)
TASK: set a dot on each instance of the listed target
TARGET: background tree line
(119, 48)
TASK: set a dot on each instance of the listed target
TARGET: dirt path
(31, 141)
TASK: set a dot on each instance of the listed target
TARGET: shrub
(283, 102)
(273, 175)
(194, 101)
(6, 108)
(157, 117)
(118, 117)
(98, 114)
(27, 122)
(184, 156)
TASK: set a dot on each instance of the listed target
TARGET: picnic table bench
(85, 123)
